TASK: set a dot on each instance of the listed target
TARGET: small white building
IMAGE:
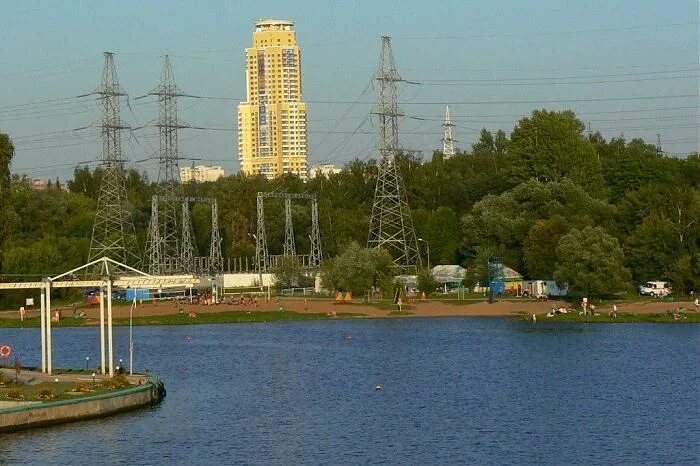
(323, 169)
(201, 173)
(544, 288)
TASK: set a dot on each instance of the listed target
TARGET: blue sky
(616, 63)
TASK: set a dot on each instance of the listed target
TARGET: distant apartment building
(323, 169)
(201, 173)
(272, 120)
(40, 185)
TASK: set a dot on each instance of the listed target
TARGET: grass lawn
(183, 319)
(57, 390)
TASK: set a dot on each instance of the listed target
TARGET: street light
(427, 247)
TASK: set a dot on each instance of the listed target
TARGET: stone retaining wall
(57, 412)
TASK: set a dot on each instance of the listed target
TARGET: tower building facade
(272, 120)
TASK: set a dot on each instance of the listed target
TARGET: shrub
(44, 394)
(118, 381)
(14, 395)
(81, 388)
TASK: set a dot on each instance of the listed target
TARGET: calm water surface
(456, 391)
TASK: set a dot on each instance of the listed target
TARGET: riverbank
(171, 313)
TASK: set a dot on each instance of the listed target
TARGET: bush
(44, 394)
(426, 283)
(14, 395)
(118, 381)
(81, 388)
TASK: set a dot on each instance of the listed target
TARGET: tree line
(551, 199)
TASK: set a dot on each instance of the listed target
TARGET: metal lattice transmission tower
(448, 144)
(189, 261)
(289, 245)
(391, 227)
(316, 255)
(264, 261)
(164, 251)
(216, 260)
(113, 233)
(187, 249)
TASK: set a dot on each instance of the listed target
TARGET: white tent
(449, 274)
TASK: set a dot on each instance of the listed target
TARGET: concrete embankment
(57, 412)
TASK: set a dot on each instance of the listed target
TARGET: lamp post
(427, 245)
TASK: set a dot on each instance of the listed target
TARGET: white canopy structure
(109, 281)
(450, 274)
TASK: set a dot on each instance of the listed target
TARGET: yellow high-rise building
(272, 121)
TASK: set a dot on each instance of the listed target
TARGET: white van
(655, 288)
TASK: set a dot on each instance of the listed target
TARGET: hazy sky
(625, 66)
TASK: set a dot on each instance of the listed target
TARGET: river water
(455, 391)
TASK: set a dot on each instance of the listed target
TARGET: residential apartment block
(201, 173)
(272, 120)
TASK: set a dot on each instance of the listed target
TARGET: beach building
(272, 120)
(510, 283)
(449, 277)
(544, 288)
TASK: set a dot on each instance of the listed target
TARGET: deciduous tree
(591, 262)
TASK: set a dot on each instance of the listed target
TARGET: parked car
(655, 288)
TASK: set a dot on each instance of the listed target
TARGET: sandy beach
(428, 308)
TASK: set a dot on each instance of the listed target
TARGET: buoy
(378, 388)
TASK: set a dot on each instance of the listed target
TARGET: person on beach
(697, 304)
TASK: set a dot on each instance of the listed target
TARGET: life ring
(5, 351)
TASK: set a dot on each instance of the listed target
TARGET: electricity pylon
(164, 249)
(113, 233)
(448, 144)
(391, 226)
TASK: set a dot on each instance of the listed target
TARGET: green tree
(669, 230)
(551, 146)
(7, 151)
(357, 269)
(591, 262)
(288, 272)
(540, 257)
(503, 222)
(485, 144)
(426, 283)
(442, 234)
